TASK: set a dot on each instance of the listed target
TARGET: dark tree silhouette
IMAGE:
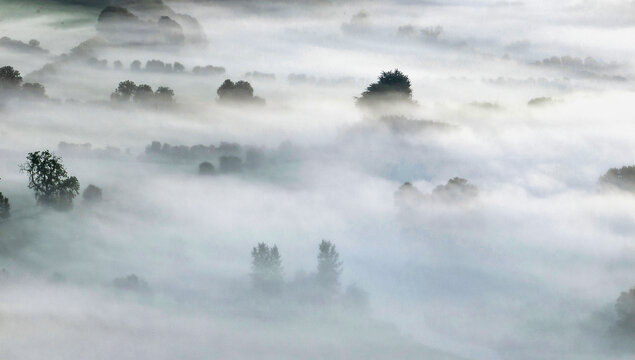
(118, 65)
(50, 181)
(266, 266)
(5, 207)
(240, 91)
(92, 193)
(124, 91)
(10, 79)
(143, 94)
(164, 95)
(329, 266)
(392, 86)
(206, 168)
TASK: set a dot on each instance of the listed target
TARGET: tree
(92, 193)
(135, 65)
(118, 65)
(229, 163)
(625, 308)
(391, 86)
(125, 90)
(239, 91)
(50, 181)
(457, 189)
(34, 90)
(164, 95)
(143, 94)
(266, 266)
(408, 195)
(622, 178)
(178, 67)
(329, 266)
(10, 79)
(206, 168)
(5, 207)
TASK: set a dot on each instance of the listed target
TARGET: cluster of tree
(240, 91)
(49, 180)
(405, 125)
(86, 149)
(154, 66)
(391, 88)
(193, 152)
(360, 22)
(589, 67)
(142, 94)
(575, 63)
(456, 190)
(33, 46)
(267, 271)
(622, 178)
(306, 79)
(96, 63)
(119, 26)
(227, 164)
(208, 70)
(429, 33)
(11, 85)
(540, 101)
(260, 75)
(51, 184)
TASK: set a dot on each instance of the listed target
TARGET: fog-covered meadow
(524, 256)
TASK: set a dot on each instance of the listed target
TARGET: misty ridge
(316, 179)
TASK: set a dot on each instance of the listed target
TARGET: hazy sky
(530, 269)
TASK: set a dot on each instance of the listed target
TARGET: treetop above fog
(240, 91)
(391, 86)
(49, 180)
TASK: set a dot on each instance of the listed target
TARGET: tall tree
(266, 266)
(329, 266)
(50, 181)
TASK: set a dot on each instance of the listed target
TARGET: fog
(529, 102)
